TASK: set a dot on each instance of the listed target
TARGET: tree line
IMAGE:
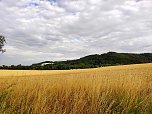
(91, 61)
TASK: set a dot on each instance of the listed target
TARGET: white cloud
(38, 30)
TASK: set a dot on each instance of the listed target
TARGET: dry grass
(109, 90)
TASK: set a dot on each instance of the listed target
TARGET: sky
(40, 30)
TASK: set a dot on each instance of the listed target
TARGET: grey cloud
(69, 29)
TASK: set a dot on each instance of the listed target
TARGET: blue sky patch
(33, 4)
(52, 0)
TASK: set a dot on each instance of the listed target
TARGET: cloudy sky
(38, 30)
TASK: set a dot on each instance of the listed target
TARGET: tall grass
(112, 90)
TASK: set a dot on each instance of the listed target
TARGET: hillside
(90, 61)
(93, 61)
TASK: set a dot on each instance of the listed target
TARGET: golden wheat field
(109, 90)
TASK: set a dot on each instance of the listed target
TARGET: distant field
(108, 90)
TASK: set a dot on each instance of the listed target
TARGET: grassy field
(109, 90)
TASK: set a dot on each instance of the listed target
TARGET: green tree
(2, 42)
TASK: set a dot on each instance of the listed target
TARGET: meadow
(108, 90)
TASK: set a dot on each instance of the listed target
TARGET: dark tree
(2, 42)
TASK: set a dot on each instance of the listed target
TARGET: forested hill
(90, 61)
(93, 61)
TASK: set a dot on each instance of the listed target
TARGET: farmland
(109, 90)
